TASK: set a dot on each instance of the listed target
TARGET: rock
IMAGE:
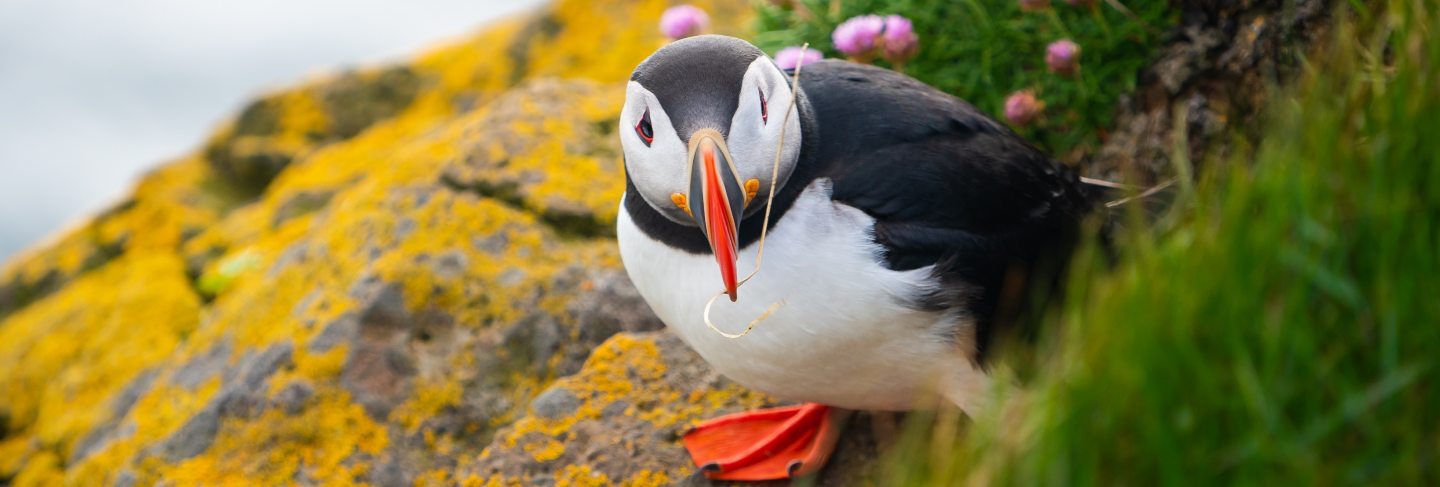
(193, 438)
(555, 404)
(203, 367)
(273, 131)
(292, 398)
(378, 377)
(300, 204)
(257, 368)
(340, 330)
(1216, 70)
(613, 305)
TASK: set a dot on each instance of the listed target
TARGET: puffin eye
(764, 112)
(644, 130)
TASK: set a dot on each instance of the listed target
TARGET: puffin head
(700, 129)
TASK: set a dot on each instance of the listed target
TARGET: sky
(93, 93)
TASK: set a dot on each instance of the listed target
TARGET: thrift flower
(899, 40)
(857, 37)
(790, 57)
(1063, 57)
(1033, 5)
(683, 21)
(1022, 107)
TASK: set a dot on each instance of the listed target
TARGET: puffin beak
(714, 184)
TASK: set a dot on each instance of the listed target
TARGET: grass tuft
(1282, 328)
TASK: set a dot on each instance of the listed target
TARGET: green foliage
(983, 50)
(1282, 327)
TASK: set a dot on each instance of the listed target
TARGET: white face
(662, 168)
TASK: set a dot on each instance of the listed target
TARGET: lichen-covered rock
(393, 275)
(1215, 71)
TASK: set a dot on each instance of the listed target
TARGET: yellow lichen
(646, 478)
(65, 356)
(425, 402)
(276, 447)
(581, 476)
(156, 415)
(546, 450)
(433, 478)
(124, 303)
(43, 470)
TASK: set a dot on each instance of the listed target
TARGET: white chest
(843, 336)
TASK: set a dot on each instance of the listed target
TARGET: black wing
(946, 184)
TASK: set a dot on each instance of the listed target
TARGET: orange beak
(721, 201)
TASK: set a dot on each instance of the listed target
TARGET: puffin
(902, 225)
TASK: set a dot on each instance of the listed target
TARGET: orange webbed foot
(767, 444)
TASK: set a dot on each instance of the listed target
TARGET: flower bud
(683, 21)
(858, 37)
(791, 57)
(899, 40)
(1022, 107)
(1063, 57)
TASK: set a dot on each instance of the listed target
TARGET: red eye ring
(644, 129)
(764, 111)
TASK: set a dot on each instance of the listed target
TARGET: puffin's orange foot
(767, 444)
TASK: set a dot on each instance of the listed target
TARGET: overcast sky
(92, 93)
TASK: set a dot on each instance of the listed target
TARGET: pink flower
(899, 39)
(857, 37)
(790, 57)
(1022, 107)
(683, 21)
(1063, 57)
(1033, 5)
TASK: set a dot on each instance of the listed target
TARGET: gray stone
(342, 330)
(555, 403)
(256, 368)
(390, 474)
(384, 312)
(612, 305)
(236, 402)
(120, 406)
(126, 478)
(450, 265)
(292, 398)
(300, 204)
(378, 377)
(202, 367)
(194, 437)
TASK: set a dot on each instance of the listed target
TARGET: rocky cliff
(392, 275)
(389, 275)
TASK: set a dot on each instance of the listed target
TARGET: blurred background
(94, 93)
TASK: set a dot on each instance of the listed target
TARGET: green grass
(1281, 328)
(983, 50)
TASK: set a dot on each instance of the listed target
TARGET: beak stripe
(719, 220)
